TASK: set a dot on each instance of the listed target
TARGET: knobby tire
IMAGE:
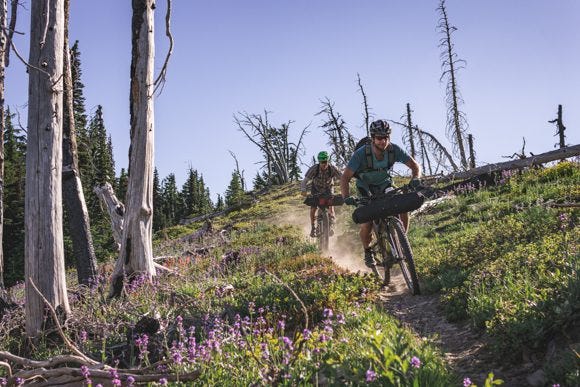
(404, 255)
(324, 228)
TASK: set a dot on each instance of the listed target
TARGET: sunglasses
(381, 138)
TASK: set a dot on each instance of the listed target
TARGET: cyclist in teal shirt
(373, 177)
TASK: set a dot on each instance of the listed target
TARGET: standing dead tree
(456, 121)
(561, 128)
(3, 55)
(365, 104)
(408, 137)
(73, 196)
(471, 151)
(44, 248)
(281, 155)
(136, 255)
(431, 145)
(339, 138)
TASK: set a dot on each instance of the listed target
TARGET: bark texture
(74, 198)
(44, 250)
(136, 255)
(3, 45)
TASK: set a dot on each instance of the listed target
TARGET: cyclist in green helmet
(323, 176)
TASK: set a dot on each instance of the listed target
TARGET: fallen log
(558, 154)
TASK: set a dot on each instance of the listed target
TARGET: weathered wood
(115, 208)
(136, 255)
(543, 158)
(44, 249)
(3, 46)
(73, 196)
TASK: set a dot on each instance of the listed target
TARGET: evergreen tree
(14, 178)
(220, 205)
(80, 116)
(260, 181)
(171, 201)
(234, 193)
(122, 185)
(158, 220)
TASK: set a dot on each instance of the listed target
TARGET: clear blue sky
(232, 56)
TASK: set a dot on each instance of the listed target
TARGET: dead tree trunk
(115, 208)
(560, 124)
(410, 131)
(425, 160)
(365, 105)
(43, 249)
(136, 255)
(563, 153)
(471, 151)
(456, 122)
(73, 196)
(3, 46)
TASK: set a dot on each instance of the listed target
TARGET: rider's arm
(415, 168)
(344, 182)
(307, 178)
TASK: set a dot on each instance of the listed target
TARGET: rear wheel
(323, 230)
(404, 255)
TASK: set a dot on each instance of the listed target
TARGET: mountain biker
(324, 176)
(376, 178)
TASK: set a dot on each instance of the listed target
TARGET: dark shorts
(316, 191)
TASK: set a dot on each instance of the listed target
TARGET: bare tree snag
(73, 196)
(3, 47)
(136, 255)
(238, 171)
(410, 128)
(44, 249)
(365, 104)
(456, 122)
(561, 128)
(115, 208)
(563, 153)
(471, 151)
(339, 138)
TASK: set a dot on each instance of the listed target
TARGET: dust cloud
(345, 246)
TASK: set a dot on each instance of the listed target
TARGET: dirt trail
(464, 349)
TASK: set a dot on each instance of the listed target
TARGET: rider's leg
(365, 237)
(405, 219)
(312, 221)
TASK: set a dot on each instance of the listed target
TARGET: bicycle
(390, 241)
(323, 202)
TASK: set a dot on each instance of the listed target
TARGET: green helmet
(323, 156)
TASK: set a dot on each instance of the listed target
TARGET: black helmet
(380, 128)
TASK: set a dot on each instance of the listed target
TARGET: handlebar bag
(388, 206)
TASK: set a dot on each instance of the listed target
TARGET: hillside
(248, 300)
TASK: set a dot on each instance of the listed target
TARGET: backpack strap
(369, 160)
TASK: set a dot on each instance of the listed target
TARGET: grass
(507, 259)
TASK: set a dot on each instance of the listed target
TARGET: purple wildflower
(288, 343)
(130, 380)
(281, 325)
(265, 351)
(340, 319)
(163, 381)
(556, 385)
(306, 333)
(467, 382)
(371, 376)
(83, 336)
(327, 313)
(3, 382)
(19, 381)
(85, 371)
(176, 351)
(415, 362)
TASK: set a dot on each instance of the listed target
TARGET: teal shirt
(379, 177)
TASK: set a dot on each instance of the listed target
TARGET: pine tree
(220, 205)
(14, 178)
(158, 220)
(171, 201)
(234, 193)
(122, 185)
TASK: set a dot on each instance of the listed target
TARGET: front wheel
(403, 254)
(323, 231)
